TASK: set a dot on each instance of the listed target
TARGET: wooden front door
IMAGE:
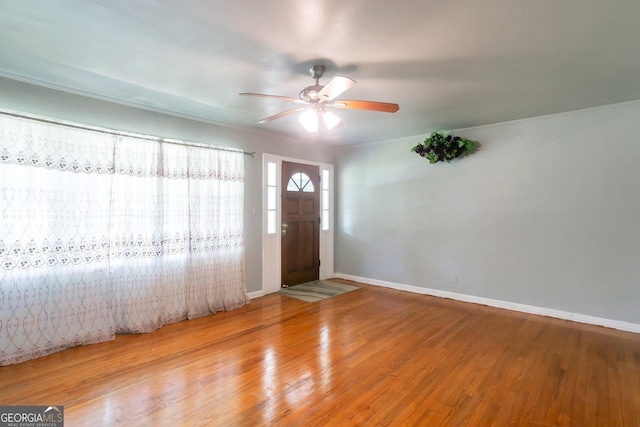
(300, 223)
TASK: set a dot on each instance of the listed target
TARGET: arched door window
(300, 181)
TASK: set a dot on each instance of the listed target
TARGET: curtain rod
(122, 133)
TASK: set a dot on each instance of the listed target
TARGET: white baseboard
(256, 294)
(542, 311)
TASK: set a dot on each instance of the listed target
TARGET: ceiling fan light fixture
(317, 97)
(309, 119)
(330, 120)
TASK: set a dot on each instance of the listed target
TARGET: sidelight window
(272, 199)
(325, 200)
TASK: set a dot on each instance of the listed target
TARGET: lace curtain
(101, 234)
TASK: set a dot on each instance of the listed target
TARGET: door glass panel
(300, 182)
(292, 185)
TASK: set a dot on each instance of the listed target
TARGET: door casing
(271, 243)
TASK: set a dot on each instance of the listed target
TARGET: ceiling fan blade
(284, 98)
(336, 87)
(385, 107)
(281, 114)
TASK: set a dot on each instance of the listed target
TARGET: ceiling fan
(319, 100)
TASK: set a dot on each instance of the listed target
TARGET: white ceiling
(448, 64)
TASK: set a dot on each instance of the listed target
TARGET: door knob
(284, 228)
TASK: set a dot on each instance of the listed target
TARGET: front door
(300, 223)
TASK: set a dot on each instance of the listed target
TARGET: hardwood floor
(370, 357)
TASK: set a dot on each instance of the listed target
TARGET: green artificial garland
(440, 148)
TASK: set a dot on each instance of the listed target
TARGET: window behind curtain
(103, 233)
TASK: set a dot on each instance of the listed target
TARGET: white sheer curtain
(216, 224)
(102, 234)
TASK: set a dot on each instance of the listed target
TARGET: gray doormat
(316, 290)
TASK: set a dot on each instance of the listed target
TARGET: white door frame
(271, 243)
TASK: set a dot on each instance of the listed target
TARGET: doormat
(316, 290)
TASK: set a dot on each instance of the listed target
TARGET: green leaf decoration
(440, 148)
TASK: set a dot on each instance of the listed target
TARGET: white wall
(546, 214)
(40, 101)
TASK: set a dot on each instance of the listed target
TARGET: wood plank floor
(370, 357)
